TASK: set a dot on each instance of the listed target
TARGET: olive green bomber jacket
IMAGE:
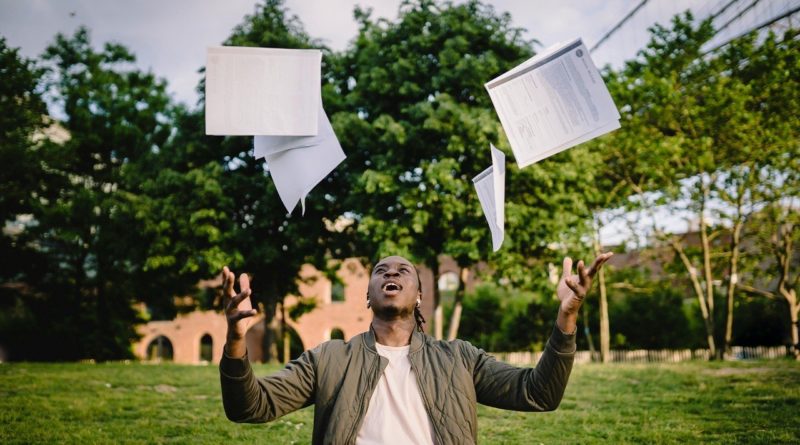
(339, 377)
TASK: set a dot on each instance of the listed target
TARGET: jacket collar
(417, 340)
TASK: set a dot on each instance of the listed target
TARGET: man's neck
(395, 332)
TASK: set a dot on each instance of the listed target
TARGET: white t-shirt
(396, 413)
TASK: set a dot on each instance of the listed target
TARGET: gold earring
(367, 303)
(419, 302)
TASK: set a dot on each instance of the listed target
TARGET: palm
(570, 302)
(238, 307)
(572, 288)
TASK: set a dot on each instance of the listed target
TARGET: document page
(490, 185)
(552, 102)
(262, 91)
(296, 171)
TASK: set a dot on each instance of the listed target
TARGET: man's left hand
(572, 289)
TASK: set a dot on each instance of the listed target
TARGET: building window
(448, 284)
(206, 348)
(337, 292)
(337, 334)
(160, 349)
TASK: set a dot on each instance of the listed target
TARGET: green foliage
(22, 118)
(81, 281)
(303, 306)
(413, 89)
(501, 319)
(650, 312)
(760, 322)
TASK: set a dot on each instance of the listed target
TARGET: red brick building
(341, 309)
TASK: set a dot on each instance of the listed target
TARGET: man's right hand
(238, 310)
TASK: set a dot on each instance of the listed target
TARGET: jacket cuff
(561, 342)
(235, 368)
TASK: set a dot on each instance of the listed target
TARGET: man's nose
(391, 273)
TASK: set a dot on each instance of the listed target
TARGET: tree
(700, 135)
(19, 125)
(255, 232)
(21, 121)
(419, 129)
(81, 281)
(770, 68)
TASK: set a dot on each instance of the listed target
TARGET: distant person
(394, 384)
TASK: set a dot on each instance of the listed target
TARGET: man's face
(393, 287)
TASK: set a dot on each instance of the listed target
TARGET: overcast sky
(169, 37)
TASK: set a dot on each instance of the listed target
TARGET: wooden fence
(648, 356)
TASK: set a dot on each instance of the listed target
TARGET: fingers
(227, 282)
(598, 262)
(234, 303)
(567, 267)
(583, 274)
(570, 282)
(244, 282)
(242, 314)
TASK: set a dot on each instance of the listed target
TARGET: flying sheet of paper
(268, 145)
(552, 102)
(491, 187)
(297, 171)
(262, 91)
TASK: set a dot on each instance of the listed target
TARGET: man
(394, 384)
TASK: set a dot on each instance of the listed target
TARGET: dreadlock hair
(417, 313)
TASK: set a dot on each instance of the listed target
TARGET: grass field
(694, 402)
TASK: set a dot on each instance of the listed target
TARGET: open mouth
(392, 287)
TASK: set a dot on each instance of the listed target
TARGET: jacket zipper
(365, 402)
(434, 425)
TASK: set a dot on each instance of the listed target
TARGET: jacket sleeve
(541, 388)
(252, 400)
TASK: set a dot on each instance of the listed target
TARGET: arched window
(337, 292)
(337, 334)
(160, 349)
(206, 348)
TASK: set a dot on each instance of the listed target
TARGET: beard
(392, 312)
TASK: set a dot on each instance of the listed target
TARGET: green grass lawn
(696, 402)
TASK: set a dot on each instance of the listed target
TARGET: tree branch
(755, 291)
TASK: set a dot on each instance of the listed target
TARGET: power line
(755, 28)
(722, 11)
(738, 16)
(617, 26)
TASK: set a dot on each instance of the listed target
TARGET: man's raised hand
(238, 307)
(572, 289)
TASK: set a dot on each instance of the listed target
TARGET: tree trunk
(698, 291)
(786, 286)
(733, 277)
(455, 318)
(270, 343)
(705, 245)
(287, 347)
(605, 328)
(438, 315)
(794, 308)
(284, 333)
(588, 333)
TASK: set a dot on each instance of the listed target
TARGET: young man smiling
(394, 384)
